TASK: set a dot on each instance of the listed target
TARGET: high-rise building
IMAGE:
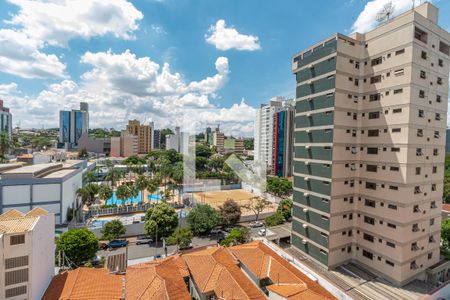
(219, 140)
(283, 142)
(177, 141)
(369, 146)
(5, 119)
(156, 139)
(28, 253)
(264, 131)
(124, 146)
(72, 124)
(143, 133)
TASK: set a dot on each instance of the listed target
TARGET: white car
(262, 232)
(256, 224)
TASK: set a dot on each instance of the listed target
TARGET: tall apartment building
(264, 131)
(144, 134)
(156, 139)
(5, 119)
(27, 248)
(283, 142)
(369, 146)
(72, 125)
(124, 146)
(219, 140)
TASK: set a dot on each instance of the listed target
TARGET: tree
(89, 177)
(160, 220)
(112, 230)
(202, 150)
(105, 192)
(238, 235)
(279, 186)
(134, 160)
(257, 205)
(202, 219)
(275, 219)
(123, 193)
(78, 245)
(285, 208)
(114, 175)
(162, 137)
(83, 154)
(4, 146)
(181, 237)
(445, 234)
(230, 212)
(142, 184)
(88, 193)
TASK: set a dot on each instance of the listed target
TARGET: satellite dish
(386, 12)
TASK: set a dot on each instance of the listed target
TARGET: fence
(93, 212)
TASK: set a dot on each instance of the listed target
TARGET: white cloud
(367, 19)
(58, 21)
(122, 86)
(225, 38)
(7, 89)
(20, 55)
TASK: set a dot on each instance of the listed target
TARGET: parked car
(187, 247)
(117, 244)
(143, 239)
(103, 246)
(262, 232)
(256, 224)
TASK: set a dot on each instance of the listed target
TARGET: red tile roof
(446, 207)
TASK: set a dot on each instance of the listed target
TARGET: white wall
(46, 192)
(69, 193)
(16, 194)
(42, 256)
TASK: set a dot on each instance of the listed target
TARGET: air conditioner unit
(311, 66)
(306, 178)
(305, 225)
(307, 147)
(304, 241)
(309, 82)
(306, 194)
(308, 114)
(305, 210)
(306, 162)
(308, 130)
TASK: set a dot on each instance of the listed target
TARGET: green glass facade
(312, 184)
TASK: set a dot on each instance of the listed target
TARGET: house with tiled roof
(27, 248)
(274, 275)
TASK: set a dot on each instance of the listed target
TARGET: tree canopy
(285, 208)
(230, 212)
(161, 219)
(279, 186)
(202, 219)
(238, 235)
(79, 245)
(112, 230)
(275, 219)
(181, 236)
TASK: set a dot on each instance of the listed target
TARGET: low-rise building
(124, 146)
(27, 251)
(52, 186)
(95, 145)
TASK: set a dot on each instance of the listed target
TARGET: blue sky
(59, 54)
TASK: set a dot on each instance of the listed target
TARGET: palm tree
(114, 175)
(89, 177)
(142, 184)
(88, 193)
(123, 193)
(105, 192)
(134, 191)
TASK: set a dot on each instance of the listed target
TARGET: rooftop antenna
(386, 12)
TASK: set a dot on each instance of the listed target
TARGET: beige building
(27, 251)
(369, 146)
(144, 134)
(124, 146)
(219, 140)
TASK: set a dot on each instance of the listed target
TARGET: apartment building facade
(124, 146)
(369, 146)
(72, 125)
(283, 142)
(27, 250)
(144, 134)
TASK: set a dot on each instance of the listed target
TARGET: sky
(164, 60)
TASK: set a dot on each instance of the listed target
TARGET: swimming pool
(131, 200)
(154, 197)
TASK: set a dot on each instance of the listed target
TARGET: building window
(398, 91)
(430, 255)
(369, 220)
(434, 170)
(396, 130)
(423, 55)
(17, 276)
(392, 225)
(440, 62)
(401, 51)
(393, 187)
(420, 35)
(373, 132)
(438, 98)
(369, 202)
(439, 80)
(417, 190)
(433, 187)
(17, 239)
(376, 61)
(371, 168)
(372, 150)
(423, 74)
(374, 97)
(416, 208)
(396, 110)
(374, 115)
(420, 132)
(444, 48)
(421, 94)
(368, 254)
(435, 152)
(418, 170)
(433, 204)
(16, 262)
(392, 206)
(388, 262)
(437, 116)
(368, 237)
(399, 72)
(394, 169)
(375, 79)
(390, 244)
(395, 149)
(16, 291)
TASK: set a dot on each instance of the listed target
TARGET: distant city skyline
(148, 60)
